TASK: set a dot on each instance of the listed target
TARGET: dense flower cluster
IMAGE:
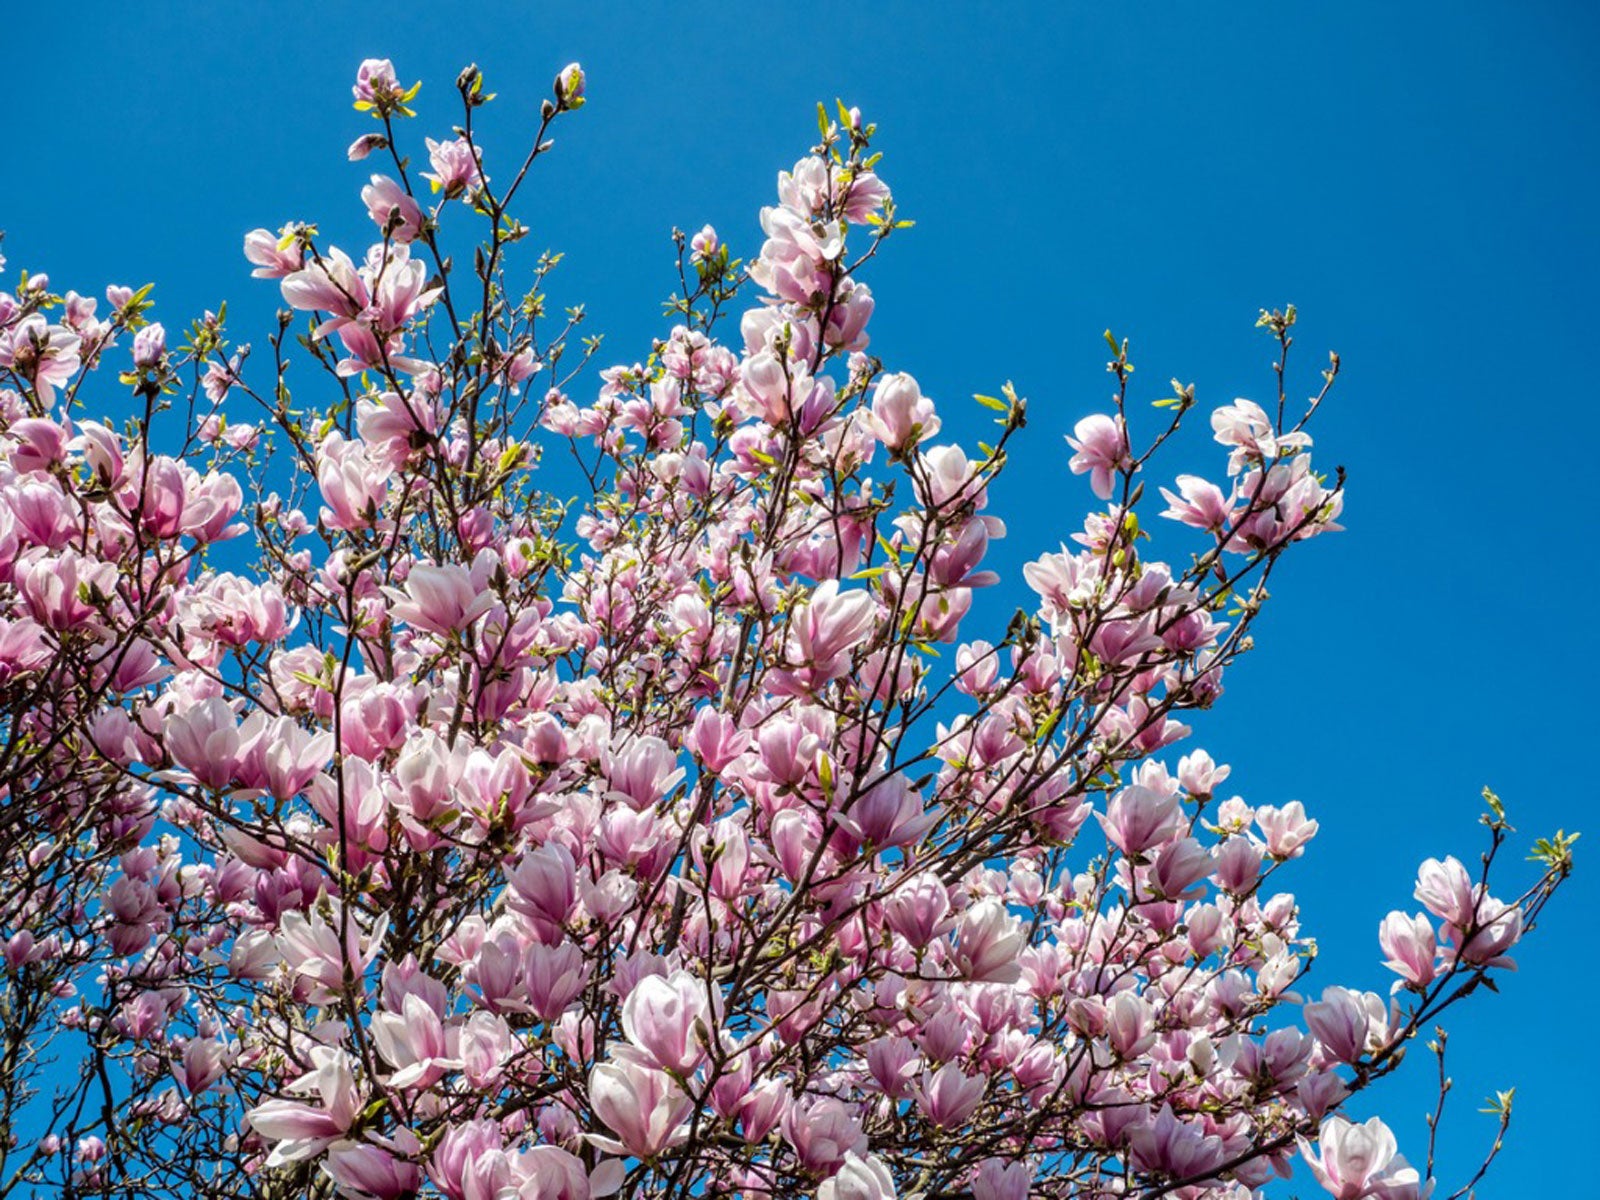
(416, 850)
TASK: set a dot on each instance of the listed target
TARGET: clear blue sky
(1420, 179)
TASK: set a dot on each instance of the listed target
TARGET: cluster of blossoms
(413, 850)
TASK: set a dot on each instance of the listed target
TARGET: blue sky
(1419, 179)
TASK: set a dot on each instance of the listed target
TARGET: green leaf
(1493, 801)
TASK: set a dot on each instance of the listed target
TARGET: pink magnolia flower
(1347, 1023)
(1357, 1161)
(640, 1105)
(46, 355)
(555, 976)
(1412, 948)
(670, 1019)
(917, 909)
(376, 86)
(551, 1173)
(1498, 927)
(365, 145)
(715, 740)
(988, 940)
(202, 1064)
(1446, 890)
(40, 443)
(859, 1179)
(303, 1130)
(1000, 1180)
(457, 167)
(1101, 443)
(413, 1041)
(330, 284)
(205, 740)
(149, 345)
(1200, 503)
(901, 414)
(1245, 426)
(543, 888)
(1138, 818)
(822, 1132)
(887, 814)
(365, 1170)
(442, 600)
(318, 952)
(948, 1097)
(949, 478)
(1286, 829)
(1200, 774)
(831, 625)
(1175, 1147)
(1129, 1025)
(867, 192)
(486, 1045)
(893, 1063)
(395, 214)
(470, 1162)
(275, 255)
(704, 245)
(355, 488)
(643, 770)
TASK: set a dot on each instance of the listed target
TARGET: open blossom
(1356, 1161)
(1199, 503)
(1245, 426)
(1347, 1023)
(1287, 829)
(43, 354)
(1139, 818)
(642, 1106)
(1101, 443)
(1494, 929)
(274, 255)
(999, 1180)
(413, 1041)
(366, 1169)
(394, 212)
(859, 1179)
(949, 1096)
(1446, 890)
(441, 600)
(321, 952)
(823, 1132)
(987, 942)
(830, 626)
(355, 489)
(301, 1129)
(457, 167)
(889, 813)
(669, 1019)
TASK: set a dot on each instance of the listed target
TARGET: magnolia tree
(378, 824)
